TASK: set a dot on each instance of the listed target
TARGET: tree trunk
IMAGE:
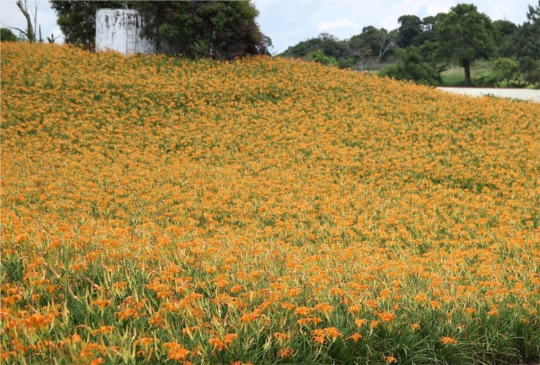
(29, 29)
(467, 67)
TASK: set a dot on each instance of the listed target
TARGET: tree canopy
(410, 28)
(527, 45)
(373, 45)
(77, 19)
(330, 45)
(466, 34)
(218, 29)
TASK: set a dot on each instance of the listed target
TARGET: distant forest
(422, 49)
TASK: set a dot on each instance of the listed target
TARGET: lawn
(264, 211)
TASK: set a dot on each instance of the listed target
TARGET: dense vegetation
(420, 49)
(77, 19)
(154, 211)
(7, 35)
(215, 29)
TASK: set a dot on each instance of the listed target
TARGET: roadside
(522, 94)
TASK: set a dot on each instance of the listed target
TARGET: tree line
(423, 48)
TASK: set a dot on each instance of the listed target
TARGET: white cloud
(339, 23)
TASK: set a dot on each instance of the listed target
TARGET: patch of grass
(455, 75)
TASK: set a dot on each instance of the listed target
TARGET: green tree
(303, 48)
(6, 35)
(331, 46)
(360, 50)
(410, 28)
(505, 69)
(77, 19)
(503, 28)
(218, 29)
(429, 33)
(373, 43)
(429, 23)
(321, 58)
(466, 34)
(415, 66)
(527, 45)
(504, 36)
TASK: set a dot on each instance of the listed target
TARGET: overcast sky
(288, 22)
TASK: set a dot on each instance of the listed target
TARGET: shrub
(414, 67)
(6, 35)
(321, 58)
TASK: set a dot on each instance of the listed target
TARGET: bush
(414, 67)
(321, 58)
(346, 62)
(530, 69)
(506, 70)
(6, 35)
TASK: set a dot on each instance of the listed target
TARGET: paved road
(523, 94)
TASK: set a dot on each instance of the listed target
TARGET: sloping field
(265, 211)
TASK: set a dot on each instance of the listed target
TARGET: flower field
(266, 211)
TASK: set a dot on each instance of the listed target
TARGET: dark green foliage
(416, 67)
(465, 34)
(428, 31)
(7, 35)
(77, 19)
(505, 72)
(503, 34)
(505, 69)
(348, 62)
(527, 45)
(503, 28)
(373, 45)
(530, 69)
(410, 28)
(430, 22)
(330, 46)
(217, 29)
(302, 49)
(506, 46)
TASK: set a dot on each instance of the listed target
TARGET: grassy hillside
(267, 211)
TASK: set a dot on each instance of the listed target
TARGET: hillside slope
(262, 211)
